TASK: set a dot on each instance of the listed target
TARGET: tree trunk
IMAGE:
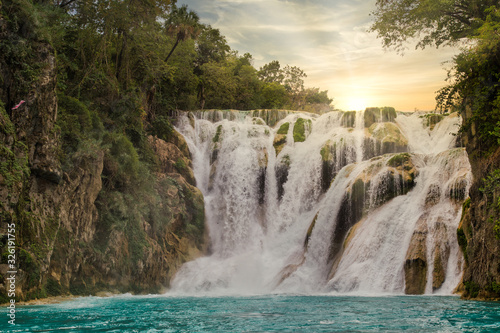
(172, 50)
(121, 55)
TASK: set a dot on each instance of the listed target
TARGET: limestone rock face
(282, 168)
(172, 159)
(477, 235)
(374, 115)
(279, 141)
(334, 156)
(384, 138)
(390, 176)
(416, 260)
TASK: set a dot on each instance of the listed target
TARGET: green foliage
(81, 129)
(180, 165)
(182, 24)
(274, 95)
(52, 287)
(472, 288)
(6, 126)
(30, 265)
(491, 189)
(496, 133)
(494, 287)
(123, 169)
(272, 72)
(162, 128)
(14, 166)
(475, 87)
(491, 184)
(434, 22)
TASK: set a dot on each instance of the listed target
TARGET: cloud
(330, 42)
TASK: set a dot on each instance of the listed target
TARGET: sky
(329, 41)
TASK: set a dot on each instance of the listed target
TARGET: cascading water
(332, 203)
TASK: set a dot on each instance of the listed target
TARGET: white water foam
(260, 242)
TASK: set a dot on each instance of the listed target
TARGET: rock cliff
(478, 233)
(74, 233)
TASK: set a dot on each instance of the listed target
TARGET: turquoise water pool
(272, 313)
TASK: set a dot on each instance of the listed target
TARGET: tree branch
(64, 4)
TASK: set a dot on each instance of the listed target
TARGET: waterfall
(345, 202)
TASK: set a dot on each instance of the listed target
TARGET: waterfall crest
(345, 202)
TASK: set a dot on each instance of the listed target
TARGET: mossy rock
(433, 195)
(258, 121)
(191, 119)
(281, 169)
(399, 160)
(309, 231)
(351, 211)
(388, 132)
(326, 151)
(299, 129)
(432, 119)
(348, 119)
(458, 190)
(270, 117)
(263, 158)
(279, 142)
(374, 115)
(328, 172)
(384, 138)
(6, 126)
(217, 138)
(388, 114)
(283, 128)
(439, 271)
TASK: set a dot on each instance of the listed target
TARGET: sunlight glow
(356, 104)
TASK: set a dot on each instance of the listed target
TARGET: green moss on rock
(375, 114)
(399, 160)
(258, 121)
(299, 129)
(218, 132)
(348, 119)
(432, 119)
(283, 128)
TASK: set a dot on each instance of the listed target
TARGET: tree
(314, 96)
(294, 84)
(434, 22)
(274, 95)
(248, 84)
(475, 86)
(182, 24)
(272, 72)
(294, 79)
(220, 85)
(211, 46)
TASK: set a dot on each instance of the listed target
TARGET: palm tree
(182, 24)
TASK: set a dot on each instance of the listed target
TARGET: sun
(356, 103)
